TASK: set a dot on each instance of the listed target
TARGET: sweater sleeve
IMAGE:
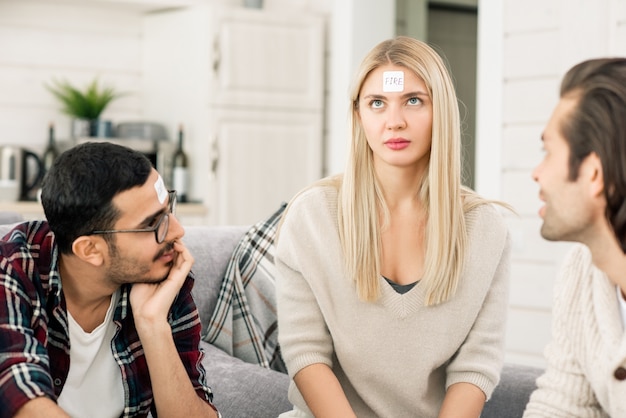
(303, 335)
(563, 390)
(479, 359)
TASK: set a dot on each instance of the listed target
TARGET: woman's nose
(395, 118)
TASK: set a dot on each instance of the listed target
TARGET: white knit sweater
(588, 347)
(394, 357)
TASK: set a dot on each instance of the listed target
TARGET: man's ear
(90, 249)
(595, 175)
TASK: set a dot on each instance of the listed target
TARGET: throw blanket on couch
(244, 321)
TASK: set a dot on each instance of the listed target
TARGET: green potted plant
(85, 107)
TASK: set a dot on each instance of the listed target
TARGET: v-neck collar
(402, 305)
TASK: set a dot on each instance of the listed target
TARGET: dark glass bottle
(180, 169)
(52, 151)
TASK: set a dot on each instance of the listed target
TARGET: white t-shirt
(94, 383)
(622, 305)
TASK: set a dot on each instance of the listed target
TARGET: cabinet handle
(216, 55)
(215, 152)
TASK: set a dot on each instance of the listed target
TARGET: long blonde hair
(361, 201)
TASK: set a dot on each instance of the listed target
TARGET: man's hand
(152, 301)
(174, 394)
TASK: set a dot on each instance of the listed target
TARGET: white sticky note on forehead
(393, 81)
(161, 191)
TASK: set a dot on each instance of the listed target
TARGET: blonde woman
(393, 278)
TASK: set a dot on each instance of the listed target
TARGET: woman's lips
(397, 144)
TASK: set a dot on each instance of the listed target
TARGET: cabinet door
(260, 159)
(234, 57)
(248, 87)
(267, 60)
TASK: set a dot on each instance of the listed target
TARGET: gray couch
(244, 390)
(240, 389)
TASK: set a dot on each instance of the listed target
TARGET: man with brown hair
(582, 181)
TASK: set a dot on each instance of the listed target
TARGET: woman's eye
(376, 104)
(414, 101)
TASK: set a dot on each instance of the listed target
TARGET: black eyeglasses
(161, 226)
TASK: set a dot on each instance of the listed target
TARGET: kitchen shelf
(148, 5)
(143, 6)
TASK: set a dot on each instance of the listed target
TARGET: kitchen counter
(187, 213)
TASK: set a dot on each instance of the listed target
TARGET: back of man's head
(598, 125)
(78, 190)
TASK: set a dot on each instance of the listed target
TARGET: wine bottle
(51, 152)
(180, 169)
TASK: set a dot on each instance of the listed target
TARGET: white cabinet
(248, 87)
(261, 159)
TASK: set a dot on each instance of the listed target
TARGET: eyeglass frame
(171, 208)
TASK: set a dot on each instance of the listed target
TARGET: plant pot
(101, 128)
(253, 4)
(81, 128)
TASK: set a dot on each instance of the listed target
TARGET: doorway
(450, 27)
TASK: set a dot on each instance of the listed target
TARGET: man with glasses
(96, 313)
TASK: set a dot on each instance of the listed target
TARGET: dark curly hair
(78, 190)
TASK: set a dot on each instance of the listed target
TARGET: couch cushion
(243, 389)
(8, 217)
(211, 247)
(5, 228)
(510, 397)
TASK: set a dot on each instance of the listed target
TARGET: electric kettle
(21, 172)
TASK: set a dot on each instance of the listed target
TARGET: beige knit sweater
(393, 357)
(588, 347)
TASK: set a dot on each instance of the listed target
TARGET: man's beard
(122, 270)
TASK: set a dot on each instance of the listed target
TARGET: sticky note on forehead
(393, 81)
(161, 191)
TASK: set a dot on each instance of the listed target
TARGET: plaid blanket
(244, 322)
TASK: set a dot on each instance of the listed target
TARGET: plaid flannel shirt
(34, 334)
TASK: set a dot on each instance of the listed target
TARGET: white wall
(355, 27)
(532, 44)
(78, 39)
(41, 41)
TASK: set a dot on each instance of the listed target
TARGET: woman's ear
(90, 249)
(355, 108)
